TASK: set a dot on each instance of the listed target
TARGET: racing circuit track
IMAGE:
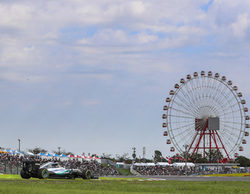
(191, 178)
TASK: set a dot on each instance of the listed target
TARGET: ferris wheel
(206, 112)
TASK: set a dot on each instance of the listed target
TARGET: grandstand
(11, 162)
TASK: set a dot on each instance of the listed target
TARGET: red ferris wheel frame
(212, 134)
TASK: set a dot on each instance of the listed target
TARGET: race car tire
(87, 175)
(43, 174)
(94, 177)
(24, 175)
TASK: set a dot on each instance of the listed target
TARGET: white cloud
(137, 7)
(122, 28)
(241, 25)
(146, 38)
(15, 15)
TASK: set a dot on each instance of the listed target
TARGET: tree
(122, 158)
(244, 162)
(197, 158)
(214, 156)
(38, 150)
(158, 156)
(63, 152)
(106, 156)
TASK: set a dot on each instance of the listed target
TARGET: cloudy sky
(92, 76)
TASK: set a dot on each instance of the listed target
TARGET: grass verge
(15, 184)
(231, 175)
(124, 172)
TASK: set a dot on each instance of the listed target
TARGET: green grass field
(14, 184)
(234, 174)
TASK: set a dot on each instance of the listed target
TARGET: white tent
(139, 164)
(30, 153)
(182, 164)
(150, 164)
(163, 164)
(144, 164)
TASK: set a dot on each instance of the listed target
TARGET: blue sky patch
(206, 6)
(76, 33)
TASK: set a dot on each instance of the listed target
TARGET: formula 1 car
(52, 170)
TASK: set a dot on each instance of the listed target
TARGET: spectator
(12, 161)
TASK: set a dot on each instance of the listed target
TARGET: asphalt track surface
(191, 178)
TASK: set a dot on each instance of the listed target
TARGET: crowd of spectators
(9, 161)
(181, 170)
(163, 170)
(12, 164)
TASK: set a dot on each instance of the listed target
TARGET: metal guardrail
(9, 168)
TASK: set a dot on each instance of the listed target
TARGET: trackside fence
(10, 168)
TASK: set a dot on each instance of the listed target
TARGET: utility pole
(144, 153)
(19, 143)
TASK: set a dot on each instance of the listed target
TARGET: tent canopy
(144, 164)
(30, 153)
(179, 164)
(163, 164)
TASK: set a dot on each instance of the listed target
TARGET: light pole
(19, 143)
(59, 148)
(134, 154)
(186, 147)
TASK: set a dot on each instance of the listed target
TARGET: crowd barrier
(8, 168)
